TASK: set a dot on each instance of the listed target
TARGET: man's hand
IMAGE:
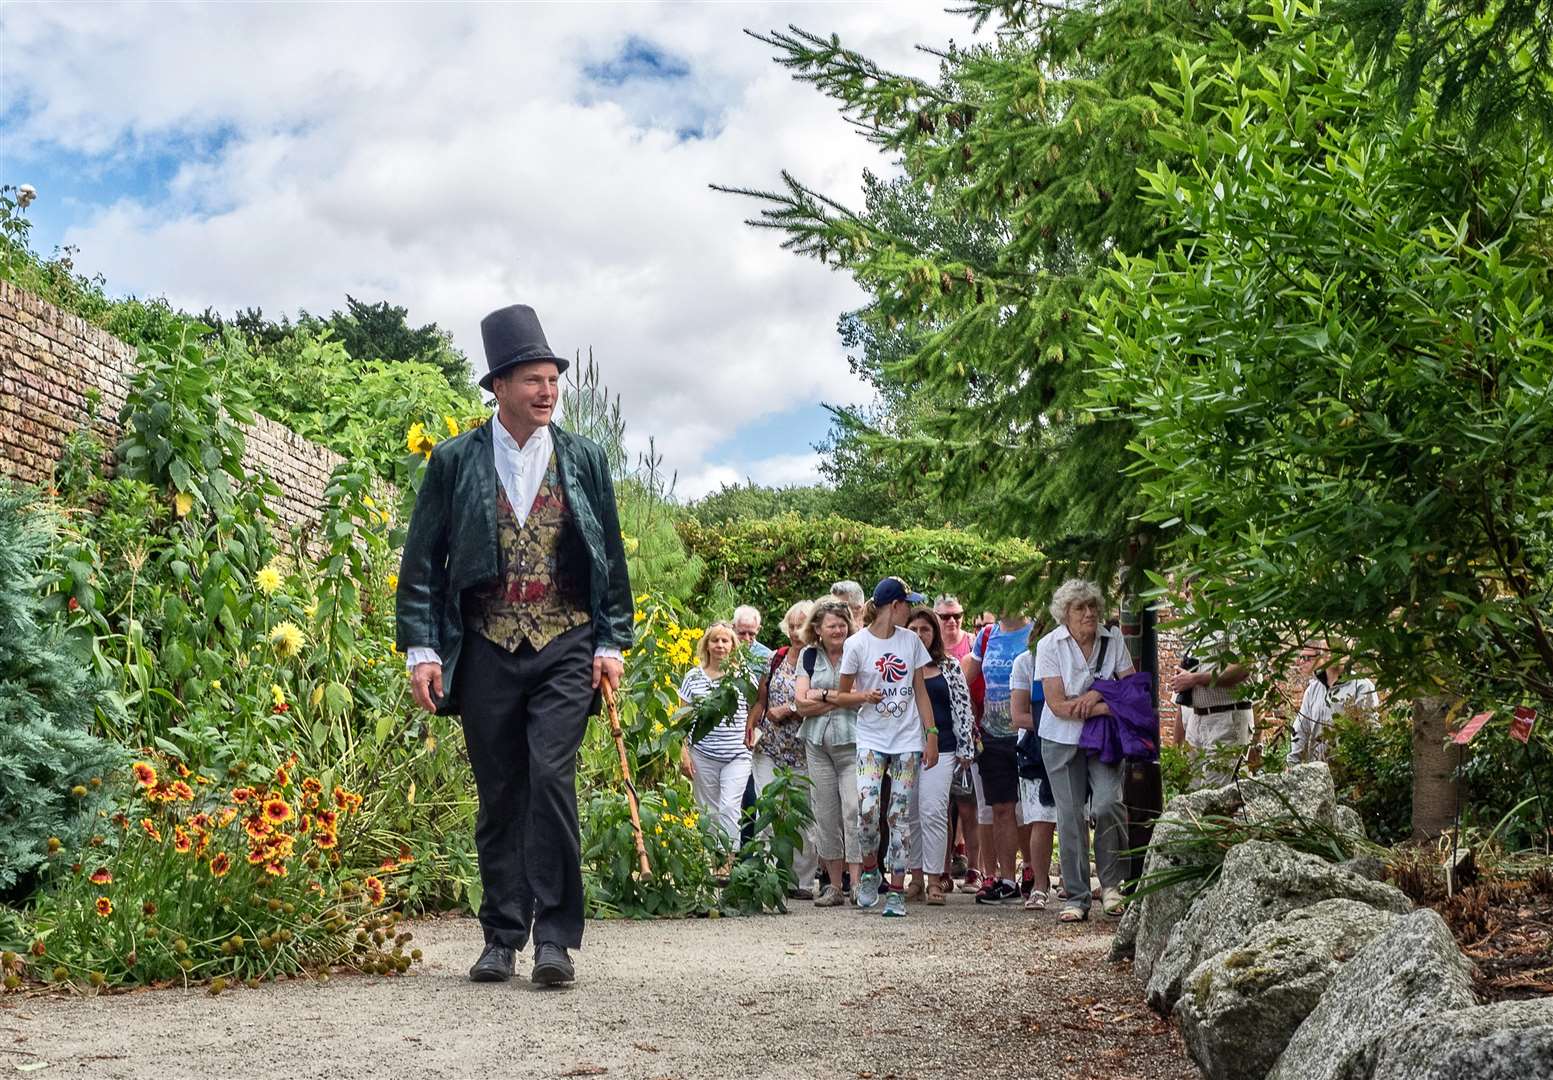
(426, 685)
(1190, 680)
(607, 669)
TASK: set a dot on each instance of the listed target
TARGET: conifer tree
(1036, 140)
(48, 707)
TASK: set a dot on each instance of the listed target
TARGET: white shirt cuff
(420, 655)
(604, 653)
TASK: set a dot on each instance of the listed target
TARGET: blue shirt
(997, 664)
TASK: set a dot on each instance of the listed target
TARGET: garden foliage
(52, 763)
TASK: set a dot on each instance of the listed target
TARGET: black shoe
(800, 894)
(496, 964)
(552, 966)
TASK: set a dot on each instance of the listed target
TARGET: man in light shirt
(513, 608)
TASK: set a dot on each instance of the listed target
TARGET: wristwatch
(825, 695)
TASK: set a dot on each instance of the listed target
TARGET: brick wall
(50, 359)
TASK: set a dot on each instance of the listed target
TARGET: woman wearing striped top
(719, 764)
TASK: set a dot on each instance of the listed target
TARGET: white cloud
(457, 158)
(777, 470)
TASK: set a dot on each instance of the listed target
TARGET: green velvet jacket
(451, 546)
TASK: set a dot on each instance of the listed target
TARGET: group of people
(913, 730)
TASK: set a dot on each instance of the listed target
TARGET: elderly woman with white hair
(1068, 661)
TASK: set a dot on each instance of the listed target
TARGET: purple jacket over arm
(1131, 730)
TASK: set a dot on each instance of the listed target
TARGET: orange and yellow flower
(220, 863)
(282, 776)
(325, 839)
(256, 827)
(182, 790)
(312, 785)
(182, 843)
(278, 811)
(104, 906)
(101, 876)
(145, 774)
(150, 829)
(374, 891)
(275, 868)
(257, 854)
(242, 794)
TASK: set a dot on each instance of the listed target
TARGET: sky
(456, 158)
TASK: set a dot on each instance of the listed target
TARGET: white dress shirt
(1320, 706)
(520, 470)
(1057, 654)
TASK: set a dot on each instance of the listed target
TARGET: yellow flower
(643, 598)
(393, 582)
(183, 502)
(697, 633)
(288, 639)
(368, 501)
(311, 611)
(215, 684)
(657, 727)
(268, 579)
(277, 694)
(452, 425)
(418, 441)
(318, 696)
(638, 617)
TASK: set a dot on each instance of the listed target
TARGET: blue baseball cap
(891, 589)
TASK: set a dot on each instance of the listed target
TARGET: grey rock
(1301, 792)
(1367, 865)
(1162, 909)
(1241, 1006)
(1125, 940)
(1261, 880)
(1411, 972)
(1512, 1040)
(1347, 820)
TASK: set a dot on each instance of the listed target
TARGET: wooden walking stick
(625, 770)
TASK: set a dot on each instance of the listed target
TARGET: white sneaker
(867, 891)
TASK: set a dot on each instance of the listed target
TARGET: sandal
(1072, 915)
(1113, 903)
(1036, 901)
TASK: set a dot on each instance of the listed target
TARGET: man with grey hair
(1221, 721)
(746, 627)
(852, 594)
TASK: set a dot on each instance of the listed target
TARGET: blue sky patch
(637, 58)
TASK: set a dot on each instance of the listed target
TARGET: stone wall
(51, 360)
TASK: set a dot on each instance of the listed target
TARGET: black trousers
(524, 717)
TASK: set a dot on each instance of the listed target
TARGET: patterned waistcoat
(531, 600)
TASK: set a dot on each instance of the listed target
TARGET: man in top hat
(513, 608)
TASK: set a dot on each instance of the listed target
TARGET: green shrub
(762, 875)
(771, 564)
(1372, 769)
(51, 764)
(682, 848)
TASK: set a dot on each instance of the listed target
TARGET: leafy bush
(1372, 770)
(51, 764)
(771, 564)
(682, 849)
(763, 873)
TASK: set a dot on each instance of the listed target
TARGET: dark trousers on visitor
(524, 716)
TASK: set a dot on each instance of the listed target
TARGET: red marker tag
(1520, 727)
(1471, 728)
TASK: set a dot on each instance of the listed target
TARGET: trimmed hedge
(773, 563)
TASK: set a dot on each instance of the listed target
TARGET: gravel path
(955, 991)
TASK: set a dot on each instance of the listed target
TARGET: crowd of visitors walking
(936, 758)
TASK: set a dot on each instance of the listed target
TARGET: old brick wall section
(50, 359)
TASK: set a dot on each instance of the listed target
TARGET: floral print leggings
(904, 770)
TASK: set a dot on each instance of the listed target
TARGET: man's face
(529, 392)
(747, 631)
(952, 616)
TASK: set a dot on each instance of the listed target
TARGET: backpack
(978, 685)
(808, 658)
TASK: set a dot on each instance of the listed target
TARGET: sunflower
(268, 580)
(150, 828)
(181, 840)
(373, 889)
(393, 582)
(145, 775)
(452, 425)
(220, 863)
(104, 906)
(417, 441)
(277, 811)
(101, 876)
(287, 639)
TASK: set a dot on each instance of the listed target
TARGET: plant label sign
(1471, 728)
(1520, 727)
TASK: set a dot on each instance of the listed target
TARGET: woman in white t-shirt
(881, 676)
(1068, 661)
(719, 764)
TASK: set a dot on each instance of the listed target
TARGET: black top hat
(513, 336)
